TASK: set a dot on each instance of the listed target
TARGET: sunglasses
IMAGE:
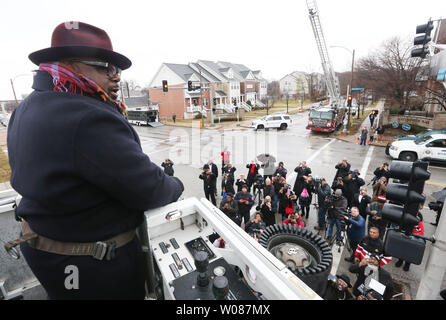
(111, 70)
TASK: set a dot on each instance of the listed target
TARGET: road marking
(437, 184)
(292, 177)
(368, 158)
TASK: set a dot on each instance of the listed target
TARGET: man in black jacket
(245, 201)
(338, 206)
(323, 194)
(208, 183)
(214, 170)
(361, 201)
(368, 269)
(168, 167)
(352, 184)
(80, 168)
(230, 207)
(227, 184)
(253, 171)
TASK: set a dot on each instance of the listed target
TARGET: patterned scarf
(65, 80)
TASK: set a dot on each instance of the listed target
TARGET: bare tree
(274, 91)
(390, 71)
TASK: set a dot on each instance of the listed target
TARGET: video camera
(434, 206)
(259, 182)
(317, 182)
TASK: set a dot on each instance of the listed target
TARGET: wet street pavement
(191, 148)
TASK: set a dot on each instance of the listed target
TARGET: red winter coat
(299, 223)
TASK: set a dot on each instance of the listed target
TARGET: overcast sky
(272, 36)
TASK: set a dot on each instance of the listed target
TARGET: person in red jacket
(295, 220)
(419, 229)
(224, 158)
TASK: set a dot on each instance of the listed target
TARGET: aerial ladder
(330, 77)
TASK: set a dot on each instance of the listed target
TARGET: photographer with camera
(343, 168)
(379, 188)
(374, 211)
(278, 183)
(230, 207)
(338, 184)
(241, 182)
(287, 201)
(382, 171)
(323, 195)
(355, 230)
(338, 288)
(303, 171)
(295, 220)
(258, 186)
(266, 209)
(229, 169)
(337, 205)
(168, 167)
(254, 226)
(366, 270)
(252, 173)
(208, 183)
(438, 205)
(227, 185)
(361, 201)
(281, 170)
(245, 201)
(352, 184)
(306, 196)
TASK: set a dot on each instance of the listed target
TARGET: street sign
(406, 127)
(358, 89)
(395, 124)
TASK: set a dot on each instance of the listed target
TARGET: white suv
(431, 147)
(278, 121)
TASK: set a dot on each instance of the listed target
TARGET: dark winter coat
(255, 168)
(228, 184)
(168, 168)
(244, 207)
(339, 205)
(231, 213)
(383, 276)
(361, 205)
(342, 170)
(80, 167)
(322, 193)
(208, 181)
(214, 169)
(267, 213)
(299, 184)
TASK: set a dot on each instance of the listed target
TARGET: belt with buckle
(98, 250)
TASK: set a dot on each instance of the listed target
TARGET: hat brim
(59, 53)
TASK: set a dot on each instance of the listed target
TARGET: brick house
(230, 85)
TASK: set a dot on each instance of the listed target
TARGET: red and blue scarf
(65, 80)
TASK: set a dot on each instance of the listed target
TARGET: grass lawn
(5, 169)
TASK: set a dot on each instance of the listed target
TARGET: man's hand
(363, 262)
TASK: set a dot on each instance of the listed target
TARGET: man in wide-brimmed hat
(79, 166)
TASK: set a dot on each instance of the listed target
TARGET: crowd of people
(345, 205)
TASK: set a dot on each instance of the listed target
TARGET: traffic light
(408, 198)
(349, 101)
(234, 101)
(189, 86)
(165, 86)
(422, 40)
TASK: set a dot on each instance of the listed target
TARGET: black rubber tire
(408, 156)
(315, 277)
(283, 126)
(387, 149)
(260, 127)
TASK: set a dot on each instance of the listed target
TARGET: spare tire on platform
(305, 253)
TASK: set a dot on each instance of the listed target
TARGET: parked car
(430, 148)
(277, 121)
(415, 137)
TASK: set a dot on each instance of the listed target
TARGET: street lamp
(349, 93)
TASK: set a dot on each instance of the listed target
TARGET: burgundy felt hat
(80, 40)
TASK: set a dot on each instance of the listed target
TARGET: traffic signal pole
(432, 279)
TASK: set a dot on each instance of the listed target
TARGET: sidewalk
(354, 138)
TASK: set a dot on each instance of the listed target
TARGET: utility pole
(431, 281)
(202, 105)
(351, 87)
(13, 90)
(211, 103)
